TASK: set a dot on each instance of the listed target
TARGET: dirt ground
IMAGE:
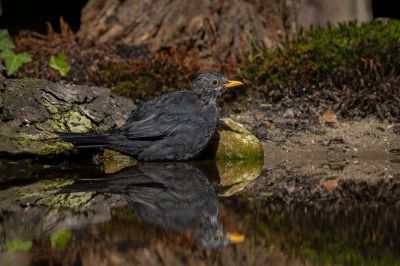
(317, 162)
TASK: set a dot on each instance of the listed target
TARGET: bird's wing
(149, 108)
(151, 127)
(160, 116)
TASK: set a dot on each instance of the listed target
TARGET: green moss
(356, 65)
(53, 109)
(70, 121)
(60, 239)
(40, 138)
(18, 245)
(43, 143)
(237, 143)
(41, 147)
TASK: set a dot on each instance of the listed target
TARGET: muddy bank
(318, 163)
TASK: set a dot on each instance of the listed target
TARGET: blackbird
(173, 127)
(172, 195)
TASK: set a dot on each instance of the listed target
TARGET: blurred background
(34, 15)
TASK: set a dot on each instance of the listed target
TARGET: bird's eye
(215, 82)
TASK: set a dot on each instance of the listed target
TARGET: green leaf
(5, 41)
(18, 245)
(60, 239)
(59, 63)
(14, 61)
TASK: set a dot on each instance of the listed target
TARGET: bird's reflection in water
(175, 196)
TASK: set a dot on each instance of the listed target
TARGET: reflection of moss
(114, 161)
(71, 201)
(60, 239)
(42, 188)
(18, 245)
(235, 175)
(44, 193)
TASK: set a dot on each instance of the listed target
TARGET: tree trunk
(213, 28)
(320, 12)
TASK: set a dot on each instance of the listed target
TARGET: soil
(318, 163)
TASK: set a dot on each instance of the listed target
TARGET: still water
(202, 213)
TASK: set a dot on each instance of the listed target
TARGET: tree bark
(218, 29)
(320, 12)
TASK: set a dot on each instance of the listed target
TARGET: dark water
(176, 214)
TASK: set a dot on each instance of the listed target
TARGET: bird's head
(212, 84)
(211, 233)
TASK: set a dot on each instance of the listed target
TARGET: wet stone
(32, 110)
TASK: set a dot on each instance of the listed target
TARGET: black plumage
(175, 196)
(173, 127)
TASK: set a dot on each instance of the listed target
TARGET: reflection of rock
(114, 161)
(31, 110)
(176, 196)
(235, 175)
(33, 210)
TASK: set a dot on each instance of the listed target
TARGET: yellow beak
(233, 83)
(235, 237)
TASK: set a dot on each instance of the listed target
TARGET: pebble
(289, 113)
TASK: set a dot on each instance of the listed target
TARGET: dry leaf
(329, 116)
(329, 184)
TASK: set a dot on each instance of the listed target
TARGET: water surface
(204, 213)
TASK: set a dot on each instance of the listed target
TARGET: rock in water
(31, 110)
(234, 142)
(239, 156)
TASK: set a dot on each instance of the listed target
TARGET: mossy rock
(33, 110)
(234, 142)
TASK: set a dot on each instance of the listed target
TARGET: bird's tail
(85, 185)
(83, 140)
